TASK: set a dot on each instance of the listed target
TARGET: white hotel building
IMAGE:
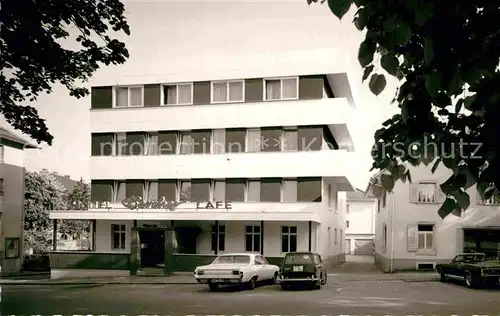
(288, 194)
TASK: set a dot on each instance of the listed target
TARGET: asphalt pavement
(336, 298)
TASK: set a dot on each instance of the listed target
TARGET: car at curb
(302, 268)
(240, 269)
(474, 268)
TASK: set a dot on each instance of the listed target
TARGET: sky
(173, 38)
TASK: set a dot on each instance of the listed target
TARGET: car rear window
(232, 259)
(299, 259)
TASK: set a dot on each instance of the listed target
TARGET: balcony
(239, 211)
(334, 112)
(323, 163)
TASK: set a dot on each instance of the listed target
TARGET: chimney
(66, 176)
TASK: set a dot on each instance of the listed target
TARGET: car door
(455, 267)
(319, 264)
(259, 268)
(268, 268)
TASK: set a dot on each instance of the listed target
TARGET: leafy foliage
(443, 52)
(42, 194)
(79, 196)
(33, 58)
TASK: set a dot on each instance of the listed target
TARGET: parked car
(305, 268)
(473, 268)
(237, 269)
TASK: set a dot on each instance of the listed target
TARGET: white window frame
(2, 153)
(282, 188)
(122, 229)
(115, 98)
(492, 201)
(288, 234)
(148, 144)
(162, 93)
(436, 191)
(264, 95)
(247, 139)
(179, 142)
(425, 234)
(283, 139)
(227, 82)
(253, 233)
(247, 189)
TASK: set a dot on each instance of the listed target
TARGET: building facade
(181, 172)
(11, 201)
(410, 235)
(360, 223)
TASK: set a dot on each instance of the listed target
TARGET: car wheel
(213, 287)
(284, 286)
(442, 275)
(325, 279)
(275, 278)
(470, 281)
(318, 283)
(252, 284)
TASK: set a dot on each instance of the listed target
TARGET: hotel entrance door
(152, 247)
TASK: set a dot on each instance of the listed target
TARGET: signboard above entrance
(137, 202)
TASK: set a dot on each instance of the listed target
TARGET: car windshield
(473, 258)
(299, 258)
(232, 259)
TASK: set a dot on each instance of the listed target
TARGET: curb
(94, 283)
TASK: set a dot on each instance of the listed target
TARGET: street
(336, 298)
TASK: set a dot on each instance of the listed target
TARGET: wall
(448, 232)
(12, 209)
(361, 217)
(13, 156)
(331, 231)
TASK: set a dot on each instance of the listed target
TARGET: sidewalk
(187, 278)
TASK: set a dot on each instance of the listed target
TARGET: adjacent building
(11, 201)
(410, 235)
(260, 164)
(360, 223)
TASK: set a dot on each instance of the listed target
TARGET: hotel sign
(136, 202)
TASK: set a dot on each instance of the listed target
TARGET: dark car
(304, 268)
(473, 268)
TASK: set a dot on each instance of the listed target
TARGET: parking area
(356, 297)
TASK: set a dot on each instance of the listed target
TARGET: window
(309, 189)
(290, 139)
(121, 144)
(347, 224)
(288, 238)
(219, 193)
(2, 153)
(335, 242)
(118, 235)
(129, 96)
(177, 94)
(152, 144)
(262, 259)
(378, 205)
(152, 190)
(254, 140)
(220, 236)
(425, 237)
(185, 190)
(347, 208)
(493, 200)
(235, 190)
(119, 191)
(289, 190)
(424, 192)
(228, 91)
(329, 237)
(281, 89)
(1, 188)
(270, 190)
(341, 238)
(253, 193)
(200, 190)
(186, 145)
(252, 238)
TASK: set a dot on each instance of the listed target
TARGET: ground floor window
(252, 238)
(218, 234)
(288, 238)
(425, 236)
(118, 236)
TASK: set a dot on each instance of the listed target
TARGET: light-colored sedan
(237, 269)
